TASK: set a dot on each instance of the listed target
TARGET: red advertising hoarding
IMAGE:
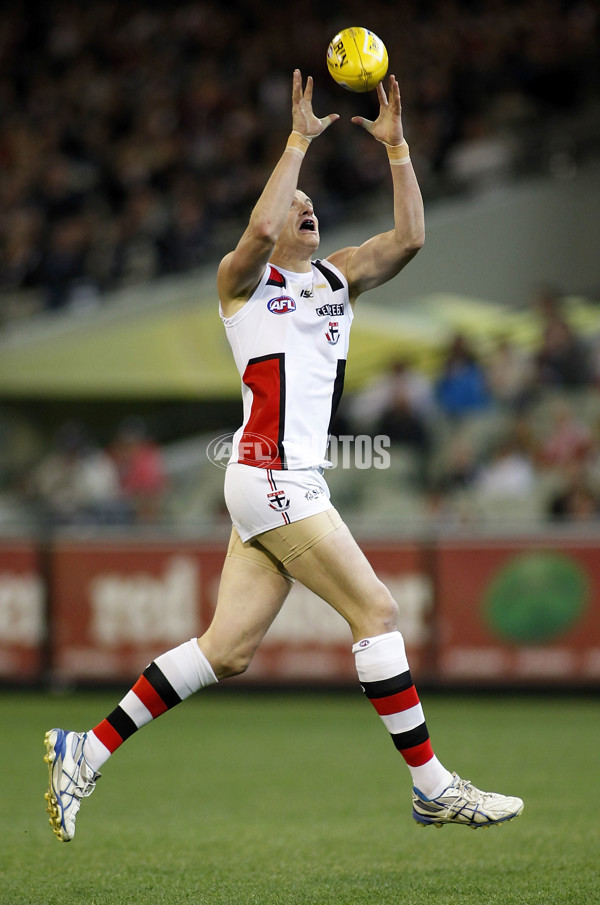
(22, 612)
(116, 606)
(481, 612)
(522, 612)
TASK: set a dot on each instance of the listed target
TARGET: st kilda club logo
(333, 334)
(278, 501)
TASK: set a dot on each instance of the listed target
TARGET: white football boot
(462, 803)
(71, 779)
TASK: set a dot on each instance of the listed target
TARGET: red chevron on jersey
(275, 278)
(265, 377)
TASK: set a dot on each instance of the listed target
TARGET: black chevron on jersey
(338, 389)
(333, 280)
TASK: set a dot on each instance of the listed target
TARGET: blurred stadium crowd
(134, 137)
(512, 435)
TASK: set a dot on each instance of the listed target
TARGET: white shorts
(259, 499)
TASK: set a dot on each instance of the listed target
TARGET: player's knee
(384, 609)
(233, 663)
(227, 657)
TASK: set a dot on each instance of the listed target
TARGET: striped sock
(385, 677)
(166, 682)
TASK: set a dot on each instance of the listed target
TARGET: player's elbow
(408, 241)
(408, 252)
(414, 242)
(264, 230)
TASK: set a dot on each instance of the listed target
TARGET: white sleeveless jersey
(290, 344)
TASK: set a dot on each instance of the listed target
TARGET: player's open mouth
(308, 224)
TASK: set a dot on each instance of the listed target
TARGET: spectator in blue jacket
(462, 385)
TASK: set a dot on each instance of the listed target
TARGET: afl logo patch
(283, 304)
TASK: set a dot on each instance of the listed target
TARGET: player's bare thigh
(249, 598)
(336, 569)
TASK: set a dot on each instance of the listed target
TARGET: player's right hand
(304, 120)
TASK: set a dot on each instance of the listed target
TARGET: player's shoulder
(230, 303)
(333, 268)
(339, 259)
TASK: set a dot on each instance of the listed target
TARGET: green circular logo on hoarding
(535, 597)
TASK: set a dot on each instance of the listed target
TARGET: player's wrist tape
(398, 154)
(298, 142)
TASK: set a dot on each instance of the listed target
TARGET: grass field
(234, 799)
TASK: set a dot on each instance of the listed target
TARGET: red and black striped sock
(386, 680)
(166, 682)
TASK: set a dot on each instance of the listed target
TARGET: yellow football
(357, 59)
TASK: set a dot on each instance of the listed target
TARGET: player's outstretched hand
(388, 125)
(303, 118)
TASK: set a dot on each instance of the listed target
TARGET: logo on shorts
(278, 501)
(364, 643)
(313, 494)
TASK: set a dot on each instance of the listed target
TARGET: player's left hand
(388, 125)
